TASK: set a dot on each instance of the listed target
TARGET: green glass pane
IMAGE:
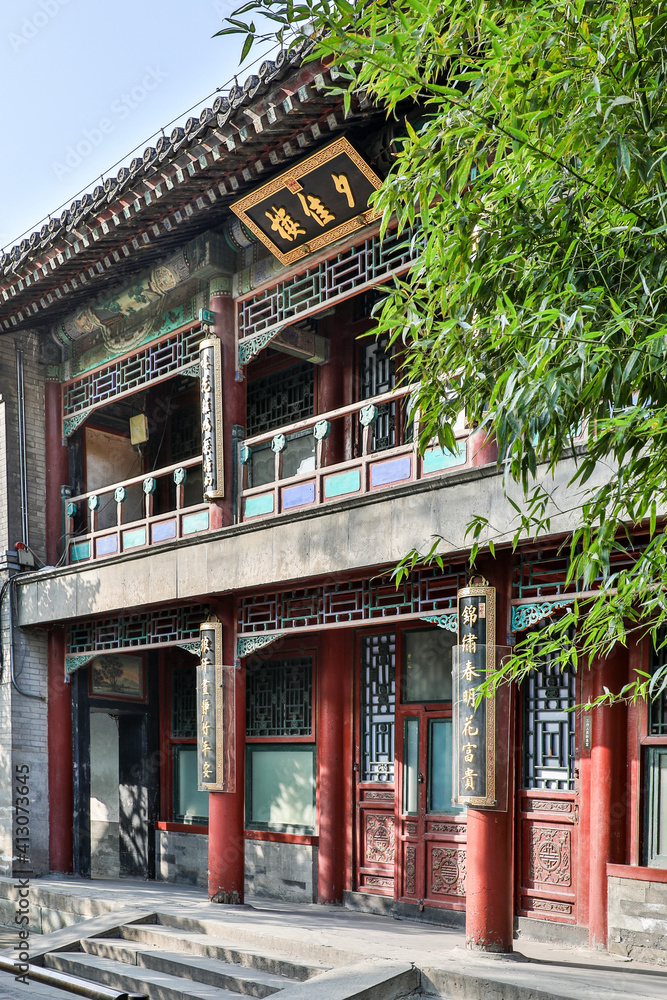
(411, 767)
(440, 767)
(427, 672)
(282, 792)
(190, 805)
(661, 810)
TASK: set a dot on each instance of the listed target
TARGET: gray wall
(281, 871)
(637, 919)
(181, 857)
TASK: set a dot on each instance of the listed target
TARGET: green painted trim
(254, 506)
(79, 551)
(195, 522)
(134, 537)
(435, 459)
(344, 482)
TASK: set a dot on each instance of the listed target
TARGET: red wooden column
(490, 847)
(57, 471)
(608, 779)
(483, 447)
(233, 393)
(334, 683)
(61, 793)
(226, 848)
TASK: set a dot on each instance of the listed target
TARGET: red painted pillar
(608, 811)
(61, 794)
(233, 394)
(331, 387)
(57, 471)
(490, 846)
(483, 447)
(334, 694)
(226, 848)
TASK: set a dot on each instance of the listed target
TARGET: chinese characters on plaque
(210, 371)
(320, 199)
(210, 777)
(474, 725)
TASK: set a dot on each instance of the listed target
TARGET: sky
(83, 82)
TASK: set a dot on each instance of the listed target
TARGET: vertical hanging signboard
(210, 370)
(474, 727)
(210, 706)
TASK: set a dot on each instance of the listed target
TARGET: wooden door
(548, 797)
(431, 865)
(374, 764)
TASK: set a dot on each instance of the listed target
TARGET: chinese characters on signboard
(475, 725)
(210, 371)
(319, 200)
(210, 777)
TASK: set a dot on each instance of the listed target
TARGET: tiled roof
(179, 187)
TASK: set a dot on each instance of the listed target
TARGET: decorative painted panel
(210, 365)
(448, 870)
(379, 838)
(549, 856)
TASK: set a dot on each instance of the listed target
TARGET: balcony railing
(316, 444)
(137, 513)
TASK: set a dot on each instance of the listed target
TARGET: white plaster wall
(104, 807)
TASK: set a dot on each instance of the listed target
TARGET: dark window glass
(427, 665)
(548, 727)
(657, 725)
(279, 399)
(183, 702)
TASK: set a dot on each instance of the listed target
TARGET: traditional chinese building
(225, 686)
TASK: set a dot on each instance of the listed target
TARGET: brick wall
(23, 720)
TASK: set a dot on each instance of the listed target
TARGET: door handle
(420, 778)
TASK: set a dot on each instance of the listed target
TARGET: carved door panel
(548, 799)
(374, 764)
(431, 866)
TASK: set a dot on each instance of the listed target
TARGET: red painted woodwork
(61, 792)
(226, 855)
(637, 873)
(482, 448)
(490, 844)
(233, 403)
(432, 860)
(547, 854)
(57, 472)
(334, 670)
(608, 802)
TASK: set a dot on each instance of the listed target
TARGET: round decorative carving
(244, 454)
(149, 485)
(321, 430)
(180, 475)
(71, 509)
(120, 494)
(93, 503)
(278, 443)
(549, 856)
(367, 414)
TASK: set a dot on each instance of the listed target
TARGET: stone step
(206, 946)
(210, 971)
(157, 985)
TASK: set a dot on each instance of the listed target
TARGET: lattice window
(126, 375)
(184, 702)
(349, 272)
(425, 591)
(377, 375)
(279, 698)
(548, 727)
(543, 573)
(378, 706)
(166, 626)
(185, 434)
(657, 718)
(279, 399)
